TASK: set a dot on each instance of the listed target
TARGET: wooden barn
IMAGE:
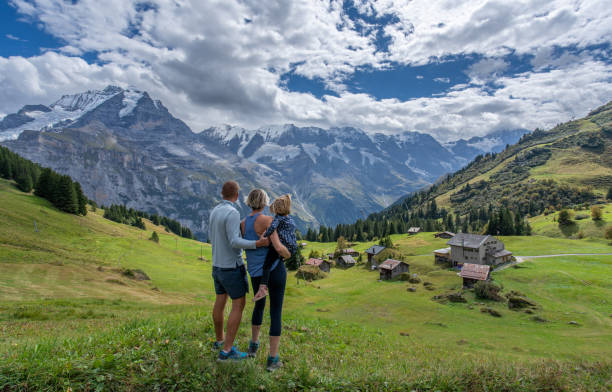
(345, 261)
(350, 252)
(444, 234)
(374, 251)
(442, 256)
(414, 230)
(390, 268)
(323, 265)
(472, 273)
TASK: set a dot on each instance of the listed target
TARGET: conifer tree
(24, 182)
(66, 196)
(81, 199)
(154, 237)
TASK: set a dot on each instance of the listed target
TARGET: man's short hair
(258, 199)
(230, 189)
(282, 205)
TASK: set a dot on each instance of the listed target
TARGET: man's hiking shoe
(217, 346)
(253, 347)
(233, 355)
(273, 364)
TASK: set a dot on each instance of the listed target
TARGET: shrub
(154, 237)
(485, 289)
(565, 218)
(310, 273)
(596, 213)
(609, 233)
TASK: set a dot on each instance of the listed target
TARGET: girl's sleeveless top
(255, 257)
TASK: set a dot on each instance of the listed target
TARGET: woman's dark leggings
(276, 292)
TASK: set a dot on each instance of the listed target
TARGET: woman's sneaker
(273, 364)
(253, 347)
(233, 355)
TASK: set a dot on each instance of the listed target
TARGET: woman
(253, 226)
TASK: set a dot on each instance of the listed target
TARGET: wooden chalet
(390, 268)
(442, 256)
(477, 249)
(472, 273)
(345, 261)
(445, 234)
(323, 265)
(350, 252)
(414, 230)
(374, 251)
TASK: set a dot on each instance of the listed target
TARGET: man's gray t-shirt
(224, 235)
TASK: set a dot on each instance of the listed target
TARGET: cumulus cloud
(213, 63)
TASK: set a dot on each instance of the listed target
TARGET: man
(229, 273)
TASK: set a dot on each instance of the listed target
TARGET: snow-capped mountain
(65, 111)
(126, 148)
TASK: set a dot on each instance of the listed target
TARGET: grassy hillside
(565, 167)
(70, 319)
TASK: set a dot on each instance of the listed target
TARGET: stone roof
(374, 250)
(316, 262)
(466, 240)
(502, 253)
(442, 251)
(414, 230)
(390, 264)
(348, 259)
(475, 271)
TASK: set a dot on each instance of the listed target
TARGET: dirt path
(520, 259)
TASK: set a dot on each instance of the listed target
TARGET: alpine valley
(126, 148)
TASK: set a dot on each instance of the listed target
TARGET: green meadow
(70, 319)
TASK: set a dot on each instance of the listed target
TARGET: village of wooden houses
(474, 256)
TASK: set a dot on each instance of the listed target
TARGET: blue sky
(450, 71)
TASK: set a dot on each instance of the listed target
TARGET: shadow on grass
(569, 230)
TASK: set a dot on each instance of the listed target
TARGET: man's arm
(232, 228)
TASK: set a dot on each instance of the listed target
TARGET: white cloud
(442, 80)
(15, 38)
(214, 63)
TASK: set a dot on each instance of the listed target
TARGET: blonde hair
(282, 205)
(258, 199)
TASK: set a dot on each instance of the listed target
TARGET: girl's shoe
(217, 346)
(253, 347)
(273, 364)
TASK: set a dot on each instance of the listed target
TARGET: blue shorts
(231, 281)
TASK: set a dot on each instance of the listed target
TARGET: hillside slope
(568, 165)
(66, 323)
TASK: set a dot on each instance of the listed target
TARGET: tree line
(130, 216)
(67, 195)
(64, 193)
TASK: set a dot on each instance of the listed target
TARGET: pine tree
(609, 195)
(81, 199)
(154, 237)
(44, 184)
(67, 199)
(24, 182)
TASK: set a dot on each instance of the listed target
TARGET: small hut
(444, 234)
(414, 230)
(323, 265)
(374, 251)
(390, 268)
(472, 273)
(442, 256)
(350, 252)
(345, 261)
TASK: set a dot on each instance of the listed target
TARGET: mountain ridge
(126, 148)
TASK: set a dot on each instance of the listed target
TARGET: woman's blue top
(255, 257)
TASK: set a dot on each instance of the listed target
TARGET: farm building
(442, 256)
(444, 234)
(477, 249)
(472, 273)
(323, 265)
(345, 261)
(350, 252)
(414, 230)
(374, 251)
(390, 268)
